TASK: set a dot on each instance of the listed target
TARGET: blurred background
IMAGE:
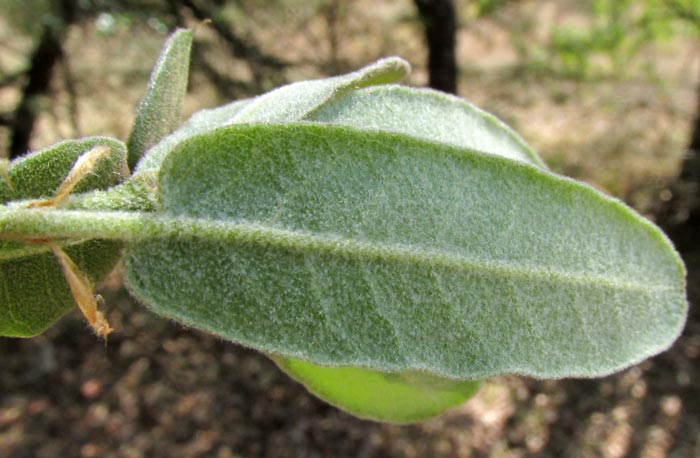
(608, 91)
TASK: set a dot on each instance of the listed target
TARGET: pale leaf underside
(343, 247)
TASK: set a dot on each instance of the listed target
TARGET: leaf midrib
(139, 227)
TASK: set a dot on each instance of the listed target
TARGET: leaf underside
(355, 100)
(353, 248)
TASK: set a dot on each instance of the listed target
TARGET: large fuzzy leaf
(161, 107)
(33, 291)
(351, 100)
(354, 248)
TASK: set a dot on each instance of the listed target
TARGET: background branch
(41, 66)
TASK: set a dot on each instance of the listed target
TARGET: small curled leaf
(39, 175)
(33, 289)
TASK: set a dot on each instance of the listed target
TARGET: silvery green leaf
(290, 103)
(345, 247)
(426, 114)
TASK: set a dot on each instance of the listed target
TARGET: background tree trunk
(690, 171)
(439, 20)
(264, 67)
(681, 215)
(41, 66)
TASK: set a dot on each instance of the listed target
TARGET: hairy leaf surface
(200, 122)
(353, 248)
(33, 292)
(161, 107)
(427, 114)
(291, 103)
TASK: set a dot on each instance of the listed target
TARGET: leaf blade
(427, 114)
(33, 292)
(307, 186)
(161, 107)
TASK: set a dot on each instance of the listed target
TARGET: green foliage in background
(617, 32)
(388, 247)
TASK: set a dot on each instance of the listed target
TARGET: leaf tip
(160, 109)
(384, 71)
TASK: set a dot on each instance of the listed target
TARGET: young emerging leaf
(161, 107)
(298, 101)
(33, 290)
(344, 247)
(291, 103)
